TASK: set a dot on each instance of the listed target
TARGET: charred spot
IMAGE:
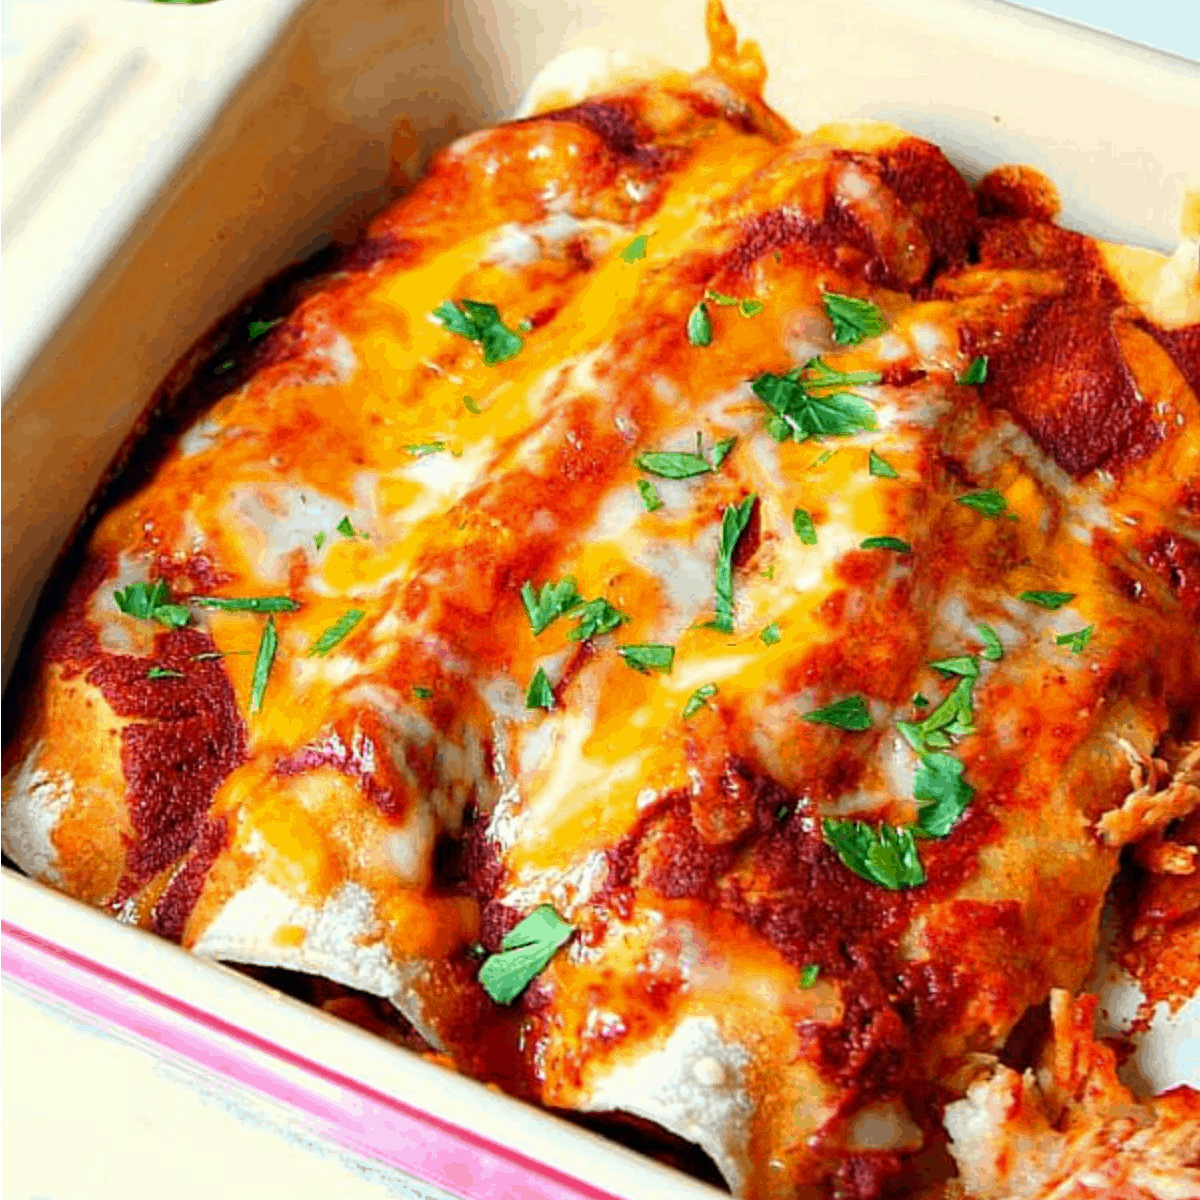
(449, 863)
(616, 125)
(899, 375)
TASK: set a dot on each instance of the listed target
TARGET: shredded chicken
(1071, 1130)
(1149, 807)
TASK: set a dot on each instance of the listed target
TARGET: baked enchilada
(675, 611)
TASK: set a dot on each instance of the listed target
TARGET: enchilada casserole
(675, 611)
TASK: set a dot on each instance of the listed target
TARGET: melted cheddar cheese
(394, 802)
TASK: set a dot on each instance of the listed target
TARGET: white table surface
(86, 1115)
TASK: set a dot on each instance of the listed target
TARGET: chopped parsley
(733, 525)
(919, 701)
(987, 501)
(553, 601)
(268, 644)
(480, 322)
(885, 543)
(880, 854)
(1050, 600)
(747, 308)
(222, 368)
(802, 524)
(267, 604)
(648, 656)
(472, 406)
(151, 602)
(976, 373)
(540, 694)
(771, 635)
(422, 693)
(769, 573)
(699, 326)
(853, 320)
(318, 540)
(256, 329)
(879, 466)
(163, 673)
(673, 464)
(809, 975)
(650, 497)
(750, 308)
(336, 632)
(424, 449)
(720, 298)
(595, 618)
(721, 451)
(804, 404)
(848, 713)
(636, 249)
(993, 647)
(698, 699)
(821, 459)
(346, 528)
(960, 664)
(944, 792)
(525, 952)
(1077, 641)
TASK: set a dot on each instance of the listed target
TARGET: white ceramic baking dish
(253, 130)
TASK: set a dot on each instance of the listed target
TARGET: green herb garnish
(699, 326)
(267, 645)
(803, 403)
(480, 322)
(648, 656)
(256, 329)
(853, 320)
(720, 451)
(636, 249)
(945, 794)
(993, 647)
(672, 464)
(346, 528)
(525, 952)
(336, 632)
(472, 406)
(318, 540)
(809, 975)
(919, 701)
(151, 602)
(267, 604)
(554, 600)
(885, 543)
(750, 308)
(540, 694)
(424, 449)
(697, 700)
(163, 673)
(976, 373)
(596, 617)
(961, 664)
(771, 635)
(987, 501)
(650, 497)
(733, 525)
(880, 467)
(880, 854)
(802, 524)
(848, 713)
(1077, 641)
(1050, 600)
(422, 693)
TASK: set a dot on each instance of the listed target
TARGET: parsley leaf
(919, 701)
(750, 308)
(721, 451)
(880, 467)
(771, 635)
(336, 632)
(803, 406)
(993, 647)
(673, 464)
(318, 540)
(595, 617)
(886, 543)
(267, 604)
(962, 664)
(987, 501)
(648, 656)
(976, 373)
(268, 644)
(423, 693)
(848, 713)
(1050, 600)
(650, 497)
(552, 602)
(733, 525)
(1077, 641)
(697, 700)
(256, 329)
(636, 249)
(424, 449)
(880, 854)
(939, 783)
(853, 320)
(472, 406)
(802, 523)
(539, 694)
(151, 602)
(808, 976)
(720, 298)
(346, 528)
(480, 322)
(699, 326)
(163, 673)
(525, 952)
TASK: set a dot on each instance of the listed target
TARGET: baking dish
(1149, 229)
